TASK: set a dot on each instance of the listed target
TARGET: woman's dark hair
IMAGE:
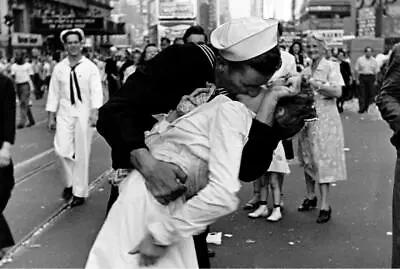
(341, 51)
(194, 30)
(267, 63)
(291, 48)
(176, 40)
(166, 39)
(142, 60)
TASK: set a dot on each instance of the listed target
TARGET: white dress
(279, 163)
(207, 144)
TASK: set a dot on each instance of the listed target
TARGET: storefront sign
(60, 23)
(26, 40)
(331, 37)
(177, 9)
(343, 10)
(366, 22)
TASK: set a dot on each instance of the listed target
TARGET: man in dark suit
(388, 101)
(7, 137)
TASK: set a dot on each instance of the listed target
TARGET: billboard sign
(26, 40)
(61, 23)
(177, 9)
(331, 37)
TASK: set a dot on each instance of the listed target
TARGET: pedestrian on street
(366, 69)
(111, 70)
(165, 43)
(195, 34)
(389, 105)
(321, 143)
(296, 49)
(345, 70)
(22, 73)
(149, 51)
(7, 137)
(75, 94)
(218, 130)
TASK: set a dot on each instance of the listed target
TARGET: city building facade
(37, 24)
(330, 18)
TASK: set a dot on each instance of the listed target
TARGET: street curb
(49, 222)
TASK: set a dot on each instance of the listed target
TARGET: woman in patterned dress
(321, 143)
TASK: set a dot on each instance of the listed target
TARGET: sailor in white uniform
(75, 94)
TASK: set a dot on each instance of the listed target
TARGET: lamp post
(9, 21)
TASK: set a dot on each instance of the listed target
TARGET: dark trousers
(288, 147)
(200, 241)
(113, 86)
(23, 92)
(30, 115)
(38, 82)
(6, 186)
(396, 215)
(366, 93)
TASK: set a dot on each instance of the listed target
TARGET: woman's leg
(275, 186)
(310, 186)
(262, 210)
(276, 192)
(310, 202)
(324, 190)
(326, 211)
(255, 199)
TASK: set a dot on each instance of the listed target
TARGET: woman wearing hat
(206, 144)
(321, 143)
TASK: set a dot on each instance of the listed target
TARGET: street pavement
(51, 235)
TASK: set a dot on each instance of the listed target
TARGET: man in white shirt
(75, 94)
(22, 73)
(366, 69)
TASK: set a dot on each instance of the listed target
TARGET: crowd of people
(185, 122)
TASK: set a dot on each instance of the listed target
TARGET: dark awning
(90, 25)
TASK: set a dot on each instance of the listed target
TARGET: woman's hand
(149, 252)
(5, 155)
(315, 84)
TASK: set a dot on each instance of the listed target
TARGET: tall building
(257, 8)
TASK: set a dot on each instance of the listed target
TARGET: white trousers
(72, 143)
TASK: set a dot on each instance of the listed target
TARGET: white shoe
(276, 215)
(260, 212)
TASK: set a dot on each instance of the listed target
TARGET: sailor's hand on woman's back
(164, 180)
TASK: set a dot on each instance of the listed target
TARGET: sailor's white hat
(67, 32)
(245, 38)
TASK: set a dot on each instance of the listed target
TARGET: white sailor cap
(245, 38)
(67, 32)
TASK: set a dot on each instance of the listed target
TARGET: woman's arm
(228, 132)
(332, 87)
(327, 90)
